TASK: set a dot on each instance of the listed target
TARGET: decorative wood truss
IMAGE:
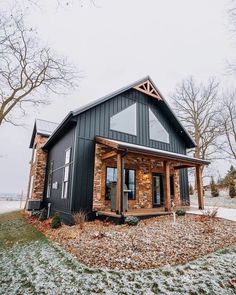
(147, 88)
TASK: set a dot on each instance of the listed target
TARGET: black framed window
(129, 179)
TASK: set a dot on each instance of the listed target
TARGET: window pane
(130, 183)
(65, 190)
(67, 159)
(111, 176)
(157, 131)
(125, 121)
(66, 173)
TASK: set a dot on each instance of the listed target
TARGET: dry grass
(80, 218)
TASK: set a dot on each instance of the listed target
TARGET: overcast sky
(115, 43)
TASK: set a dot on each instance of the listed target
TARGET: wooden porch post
(199, 186)
(119, 184)
(167, 186)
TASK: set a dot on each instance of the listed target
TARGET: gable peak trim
(148, 88)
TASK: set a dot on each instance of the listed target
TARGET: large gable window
(156, 130)
(125, 121)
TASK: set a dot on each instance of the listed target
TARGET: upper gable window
(125, 121)
(156, 130)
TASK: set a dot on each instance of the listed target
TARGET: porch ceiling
(186, 161)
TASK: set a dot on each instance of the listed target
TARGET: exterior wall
(38, 168)
(57, 155)
(96, 122)
(144, 168)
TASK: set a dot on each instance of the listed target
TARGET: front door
(157, 190)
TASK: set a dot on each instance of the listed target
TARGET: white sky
(116, 43)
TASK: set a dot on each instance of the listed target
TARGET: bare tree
(29, 72)
(196, 106)
(228, 122)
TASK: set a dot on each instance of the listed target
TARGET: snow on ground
(222, 201)
(8, 206)
(42, 267)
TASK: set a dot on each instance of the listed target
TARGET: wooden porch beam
(167, 185)
(119, 184)
(103, 141)
(199, 187)
(183, 166)
(109, 155)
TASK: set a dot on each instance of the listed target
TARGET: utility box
(33, 205)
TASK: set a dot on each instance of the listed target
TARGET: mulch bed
(152, 243)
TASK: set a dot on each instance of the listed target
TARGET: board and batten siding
(57, 155)
(96, 122)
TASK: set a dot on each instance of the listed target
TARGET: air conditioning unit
(33, 205)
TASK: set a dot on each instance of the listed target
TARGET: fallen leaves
(153, 243)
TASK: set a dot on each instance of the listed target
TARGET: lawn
(31, 264)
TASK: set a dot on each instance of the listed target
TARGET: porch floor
(136, 212)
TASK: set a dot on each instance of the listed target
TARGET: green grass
(14, 229)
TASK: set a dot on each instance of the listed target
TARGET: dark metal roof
(187, 137)
(44, 128)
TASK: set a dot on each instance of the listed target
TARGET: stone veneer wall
(144, 167)
(38, 168)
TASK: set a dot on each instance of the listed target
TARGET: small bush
(191, 190)
(80, 218)
(56, 221)
(132, 220)
(232, 188)
(36, 213)
(210, 213)
(214, 188)
(180, 212)
(43, 214)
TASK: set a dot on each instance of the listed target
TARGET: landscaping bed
(151, 244)
(32, 264)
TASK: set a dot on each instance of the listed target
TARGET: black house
(124, 154)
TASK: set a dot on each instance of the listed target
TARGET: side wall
(37, 169)
(57, 155)
(96, 122)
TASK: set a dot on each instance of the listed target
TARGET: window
(49, 186)
(156, 130)
(125, 121)
(65, 183)
(129, 179)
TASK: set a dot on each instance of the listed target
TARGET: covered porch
(149, 177)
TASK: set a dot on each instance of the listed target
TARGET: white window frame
(34, 153)
(66, 176)
(50, 175)
(31, 186)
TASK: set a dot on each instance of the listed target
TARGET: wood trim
(199, 187)
(147, 88)
(109, 155)
(167, 199)
(119, 183)
(103, 141)
(183, 166)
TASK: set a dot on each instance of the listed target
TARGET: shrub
(191, 191)
(80, 218)
(232, 188)
(132, 220)
(210, 213)
(56, 220)
(36, 213)
(180, 212)
(43, 214)
(214, 188)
